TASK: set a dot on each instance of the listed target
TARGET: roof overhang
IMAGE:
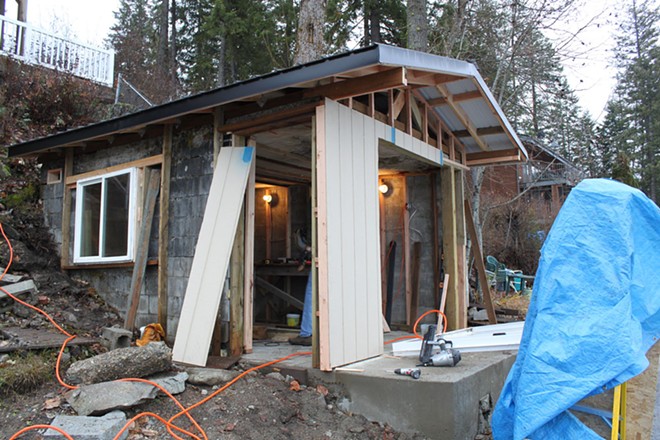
(454, 90)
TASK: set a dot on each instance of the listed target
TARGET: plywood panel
(211, 260)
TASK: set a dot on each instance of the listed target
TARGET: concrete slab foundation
(444, 403)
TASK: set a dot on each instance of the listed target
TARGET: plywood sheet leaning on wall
(211, 260)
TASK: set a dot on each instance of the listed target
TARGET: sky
(588, 66)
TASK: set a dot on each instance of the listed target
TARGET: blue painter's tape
(442, 158)
(247, 154)
(393, 135)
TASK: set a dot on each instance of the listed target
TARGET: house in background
(168, 210)
(546, 177)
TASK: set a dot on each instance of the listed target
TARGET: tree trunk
(418, 25)
(21, 14)
(310, 42)
(163, 30)
(173, 49)
(374, 23)
(121, 363)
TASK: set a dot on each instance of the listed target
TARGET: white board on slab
(211, 259)
(495, 337)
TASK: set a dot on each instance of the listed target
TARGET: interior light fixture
(268, 198)
(383, 188)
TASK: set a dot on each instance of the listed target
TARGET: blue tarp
(595, 311)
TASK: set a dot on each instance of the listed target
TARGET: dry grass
(23, 372)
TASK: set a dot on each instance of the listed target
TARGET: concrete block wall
(191, 175)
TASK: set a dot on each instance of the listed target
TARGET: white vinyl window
(105, 218)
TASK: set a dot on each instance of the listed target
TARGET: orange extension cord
(171, 427)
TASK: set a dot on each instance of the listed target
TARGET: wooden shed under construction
(165, 209)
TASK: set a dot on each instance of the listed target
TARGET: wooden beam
(317, 136)
(248, 290)
(145, 162)
(450, 244)
(236, 286)
(272, 116)
(441, 307)
(127, 265)
(409, 128)
(436, 240)
(398, 104)
(488, 157)
(417, 77)
(163, 227)
(390, 106)
(321, 258)
(237, 279)
(375, 82)
(484, 131)
(66, 209)
(414, 299)
(463, 117)
(479, 263)
(461, 250)
(288, 122)
(281, 294)
(152, 189)
(406, 248)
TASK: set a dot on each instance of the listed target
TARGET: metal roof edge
(291, 76)
(423, 60)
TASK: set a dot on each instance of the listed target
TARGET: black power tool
(444, 357)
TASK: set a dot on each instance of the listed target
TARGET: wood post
(406, 249)
(461, 249)
(479, 262)
(248, 289)
(153, 187)
(163, 227)
(455, 298)
(237, 279)
(66, 209)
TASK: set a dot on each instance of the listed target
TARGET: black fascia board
(277, 80)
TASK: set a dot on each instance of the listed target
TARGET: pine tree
(638, 58)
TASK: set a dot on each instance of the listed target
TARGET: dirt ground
(256, 407)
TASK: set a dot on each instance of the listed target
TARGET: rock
(89, 428)
(209, 376)
(277, 376)
(121, 363)
(103, 397)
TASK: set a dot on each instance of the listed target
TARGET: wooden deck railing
(35, 46)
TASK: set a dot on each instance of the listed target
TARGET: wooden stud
(237, 279)
(479, 262)
(390, 108)
(153, 187)
(450, 244)
(398, 104)
(406, 249)
(371, 110)
(322, 240)
(408, 112)
(414, 299)
(461, 250)
(316, 131)
(146, 162)
(436, 240)
(163, 227)
(383, 251)
(248, 289)
(66, 209)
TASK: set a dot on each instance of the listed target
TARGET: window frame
(132, 210)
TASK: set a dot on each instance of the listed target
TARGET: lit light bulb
(268, 198)
(383, 188)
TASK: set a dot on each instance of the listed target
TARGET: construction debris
(121, 363)
(101, 398)
(16, 338)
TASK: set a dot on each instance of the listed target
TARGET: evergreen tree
(638, 58)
